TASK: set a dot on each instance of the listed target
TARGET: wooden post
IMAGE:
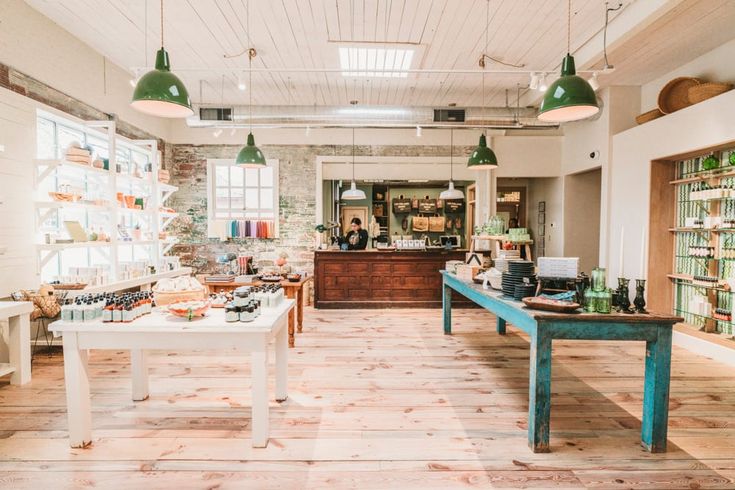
(539, 390)
(19, 346)
(77, 392)
(447, 308)
(656, 391)
(139, 374)
(259, 362)
(281, 364)
(300, 307)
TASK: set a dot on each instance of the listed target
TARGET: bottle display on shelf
(703, 242)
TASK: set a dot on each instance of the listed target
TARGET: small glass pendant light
(570, 97)
(159, 92)
(353, 193)
(451, 192)
(250, 155)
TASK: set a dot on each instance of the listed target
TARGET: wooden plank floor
(378, 399)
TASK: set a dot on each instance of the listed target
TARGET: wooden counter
(380, 279)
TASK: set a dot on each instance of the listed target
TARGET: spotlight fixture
(533, 84)
(418, 131)
(543, 86)
(594, 82)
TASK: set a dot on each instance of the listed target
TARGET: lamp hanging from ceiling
(159, 92)
(250, 155)
(483, 157)
(570, 97)
(451, 192)
(353, 193)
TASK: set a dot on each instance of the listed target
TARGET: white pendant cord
(161, 24)
(353, 155)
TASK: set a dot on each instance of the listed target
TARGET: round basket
(648, 116)
(700, 93)
(168, 297)
(675, 94)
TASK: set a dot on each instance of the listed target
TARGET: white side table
(18, 315)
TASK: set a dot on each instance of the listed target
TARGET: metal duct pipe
(371, 116)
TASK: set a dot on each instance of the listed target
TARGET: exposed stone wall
(297, 177)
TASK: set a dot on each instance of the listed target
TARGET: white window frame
(212, 163)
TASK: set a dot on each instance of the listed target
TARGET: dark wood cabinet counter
(380, 279)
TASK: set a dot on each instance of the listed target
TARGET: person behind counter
(357, 238)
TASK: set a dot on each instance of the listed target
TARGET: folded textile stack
(76, 154)
(251, 229)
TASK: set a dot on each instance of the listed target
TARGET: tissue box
(467, 272)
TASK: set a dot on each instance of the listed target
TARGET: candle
(622, 246)
(644, 247)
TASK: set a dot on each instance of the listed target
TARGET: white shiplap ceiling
(305, 34)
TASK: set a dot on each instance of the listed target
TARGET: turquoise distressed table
(543, 327)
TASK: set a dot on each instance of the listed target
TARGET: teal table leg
(447, 309)
(539, 391)
(501, 326)
(656, 391)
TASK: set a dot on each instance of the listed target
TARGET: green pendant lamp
(570, 97)
(159, 92)
(250, 155)
(483, 157)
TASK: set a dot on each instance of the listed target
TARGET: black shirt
(358, 242)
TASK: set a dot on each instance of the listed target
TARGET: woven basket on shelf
(675, 94)
(704, 91)
(648, 116)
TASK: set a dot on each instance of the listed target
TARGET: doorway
(582, 217)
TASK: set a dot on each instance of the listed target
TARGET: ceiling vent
(215, 113)
(448, 115)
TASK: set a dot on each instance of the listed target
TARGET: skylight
(375, 62)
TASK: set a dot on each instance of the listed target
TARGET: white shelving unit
(104, 185)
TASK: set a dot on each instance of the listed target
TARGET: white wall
(551, 191)
(714, 66)
(698, 127)
(33, 44)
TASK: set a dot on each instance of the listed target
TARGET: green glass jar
(604, 301)
(731, 158)
(590, 300)
(710, 163)
(599, 281)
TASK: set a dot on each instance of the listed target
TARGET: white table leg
(139, 373)
(77, 392)
(259, 361)
(282, 364)
(20, 348)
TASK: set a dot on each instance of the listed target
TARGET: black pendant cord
(353, 154)
(451, 155)
(487, 28)
(569, 26)
(250, 74)
(161, 23)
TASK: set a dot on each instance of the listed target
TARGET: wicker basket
(700, 93)
(169, 297)
(648, 116)
(675, 94)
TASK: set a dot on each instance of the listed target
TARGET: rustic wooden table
(543, 327)
(294, 290)
(17, 313)
(159, 330)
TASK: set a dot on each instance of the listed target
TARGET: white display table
(162, 331)
(18, 313)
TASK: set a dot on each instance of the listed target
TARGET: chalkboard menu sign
(401, 206)
(454, 206)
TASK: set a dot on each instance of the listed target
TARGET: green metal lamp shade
(483, 158)
(250, 156)
(160, 93)
(570, 98)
